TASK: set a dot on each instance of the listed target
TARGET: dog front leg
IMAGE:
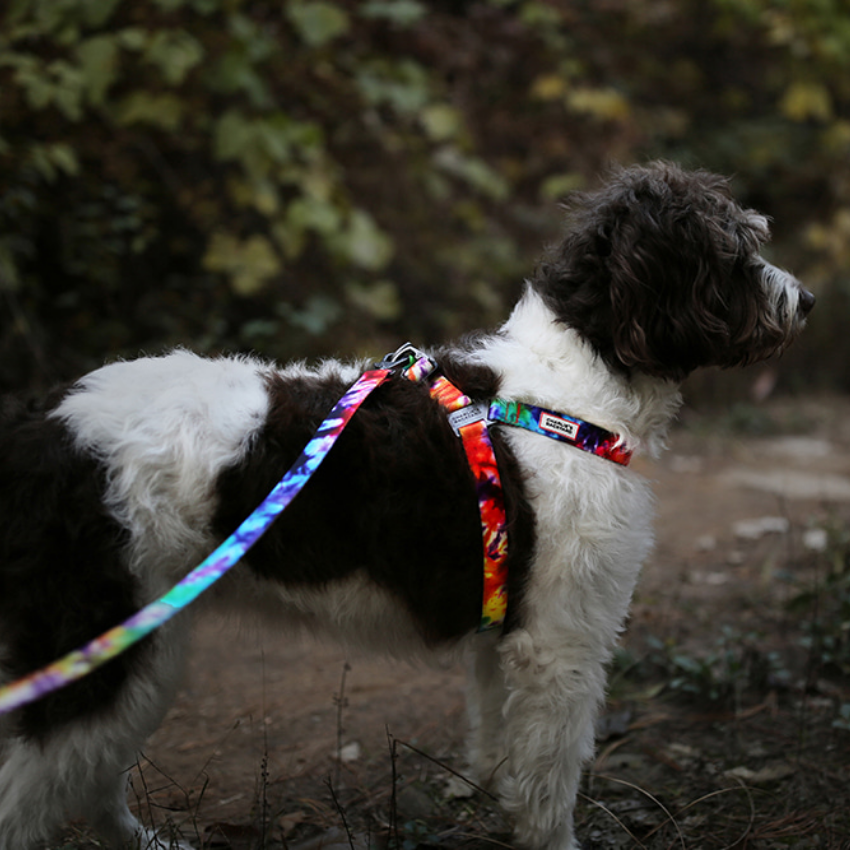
(550, 713)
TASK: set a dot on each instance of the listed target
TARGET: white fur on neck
(550, 365)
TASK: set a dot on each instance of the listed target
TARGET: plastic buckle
(404, 357)
(478, 411)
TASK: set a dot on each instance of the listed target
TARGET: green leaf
(404, 85)
(261, 144)
(319, 313)
(98, 63)
(175, 53)
(806, 101)
(259, 194)
(310, 213)
(475, 172)
(379, 299)
(98, 12)
(9, 278)
(364, 243)
(232, 135)
(133, 38)
(64, 157)
(51, 159)
(249, 264)
(318, 22)
(67, 93)
(58, 84)
(403, 13)
(606, 104)
(556, 186)
(160, 110)
(235, 71)
(260, 329)
(441, 122)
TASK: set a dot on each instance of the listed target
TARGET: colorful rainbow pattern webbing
(488, 484)
(576, 432)
(77, 664)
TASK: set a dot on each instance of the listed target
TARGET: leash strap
(82, 661)
(469, 421)
(584, 435)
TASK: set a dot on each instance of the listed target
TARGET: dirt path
(260, 721)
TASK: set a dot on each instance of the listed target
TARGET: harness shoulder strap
(470, 423)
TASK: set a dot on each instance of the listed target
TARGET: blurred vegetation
(326, 176)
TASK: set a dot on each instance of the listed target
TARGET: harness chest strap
(470, 422)
(583, 435)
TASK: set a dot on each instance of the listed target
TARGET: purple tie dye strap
(77, 664)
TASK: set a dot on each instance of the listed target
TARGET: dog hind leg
(31, 808)
(484, 704)
(42, 784)
(79, 769)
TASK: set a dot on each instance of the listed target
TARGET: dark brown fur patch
(395, 499)
(63, 580)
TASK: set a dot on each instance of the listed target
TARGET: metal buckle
(404, 357)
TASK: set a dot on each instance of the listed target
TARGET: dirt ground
(249, 753)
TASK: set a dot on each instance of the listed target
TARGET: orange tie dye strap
(470, 423)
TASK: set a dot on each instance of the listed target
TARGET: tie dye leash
(472, 429)
(82, 661)
(470, 421)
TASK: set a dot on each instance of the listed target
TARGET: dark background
(315, 177)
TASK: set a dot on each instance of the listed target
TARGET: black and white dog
(113, 489)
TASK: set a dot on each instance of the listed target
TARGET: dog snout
(806, 301)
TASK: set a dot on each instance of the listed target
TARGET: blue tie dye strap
(82, 661)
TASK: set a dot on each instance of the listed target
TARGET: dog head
(660, 272)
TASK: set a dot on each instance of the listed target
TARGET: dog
(111, 490)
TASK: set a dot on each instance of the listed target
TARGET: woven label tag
(466, 415)
(556, 425)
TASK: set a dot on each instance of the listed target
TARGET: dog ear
(668, 316)
(684, 286)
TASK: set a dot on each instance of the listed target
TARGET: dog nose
(805, 302)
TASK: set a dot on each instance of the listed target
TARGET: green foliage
(733, 667)
(824, 607)
(739, 664)
(239, 173)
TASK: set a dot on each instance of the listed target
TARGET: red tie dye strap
(470, 422)
(491, 504)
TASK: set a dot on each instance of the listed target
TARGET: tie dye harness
(470, 421)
